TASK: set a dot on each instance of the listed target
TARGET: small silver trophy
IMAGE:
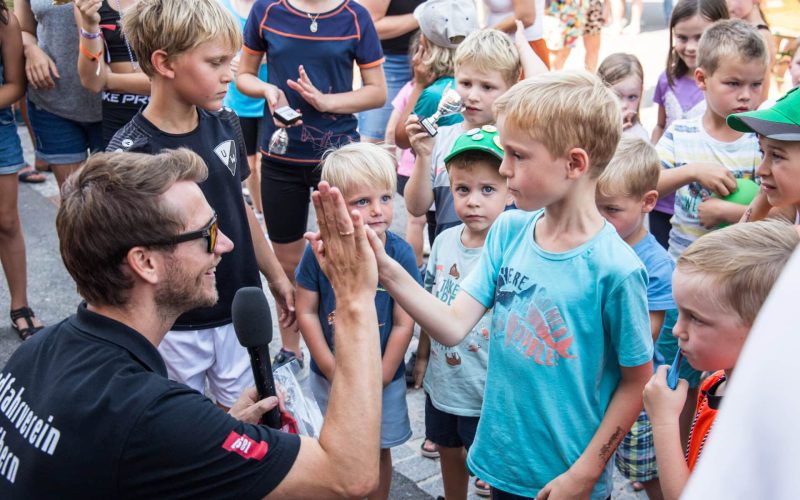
(449, 104)
(279, 142)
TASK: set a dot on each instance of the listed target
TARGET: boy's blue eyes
(484, 189)
(365, 201)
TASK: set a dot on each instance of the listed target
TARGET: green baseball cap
(781, 122)
(484, 139)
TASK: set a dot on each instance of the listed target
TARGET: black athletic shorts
(251, 129)
(285, 195)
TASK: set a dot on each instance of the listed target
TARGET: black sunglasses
(209, 232)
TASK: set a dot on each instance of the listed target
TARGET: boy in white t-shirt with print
(703, 156)
(455, 376)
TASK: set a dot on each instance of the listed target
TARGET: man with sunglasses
(86, 409)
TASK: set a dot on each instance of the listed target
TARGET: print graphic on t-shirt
(323, 139)
(530, 321)
(226, 152)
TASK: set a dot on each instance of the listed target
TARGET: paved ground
(53, 295)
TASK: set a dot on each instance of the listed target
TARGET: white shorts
(213, 354)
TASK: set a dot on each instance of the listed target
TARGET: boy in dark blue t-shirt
(365, 174)
(185, 47)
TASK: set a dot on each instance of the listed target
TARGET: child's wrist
(584, 474)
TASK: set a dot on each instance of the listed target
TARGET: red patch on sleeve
(245, 446)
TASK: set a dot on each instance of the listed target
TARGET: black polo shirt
(87, 411)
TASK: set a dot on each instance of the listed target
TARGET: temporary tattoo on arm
(747, 214)
(608, 449)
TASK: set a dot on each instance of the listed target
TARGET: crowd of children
(578, 261)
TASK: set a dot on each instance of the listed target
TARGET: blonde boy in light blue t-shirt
(570, 346)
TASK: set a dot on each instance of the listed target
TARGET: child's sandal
(27, 314)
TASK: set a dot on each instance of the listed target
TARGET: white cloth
(497, 10)
(213, 354)
(752, 451)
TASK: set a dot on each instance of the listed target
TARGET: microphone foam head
(252, 319)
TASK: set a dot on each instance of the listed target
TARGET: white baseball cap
(446, 22)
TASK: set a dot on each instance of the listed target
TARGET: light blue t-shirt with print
(244, 106)
(456, 375)
(562, 325)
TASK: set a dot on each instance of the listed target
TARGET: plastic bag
(299, 401)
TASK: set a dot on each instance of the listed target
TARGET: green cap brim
(765, 122)
(780, 122)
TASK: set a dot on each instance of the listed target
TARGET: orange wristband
(88, 55)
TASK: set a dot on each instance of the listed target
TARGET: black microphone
(252, 322)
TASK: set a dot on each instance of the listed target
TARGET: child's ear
(649, 201)
(700, 77)
(162, 64)
(577, 163)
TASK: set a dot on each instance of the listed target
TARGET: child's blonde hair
(176, 26)
(742, 262)
(633, 170)
(730, 38)
(490, 50)
(564, 110)
(359, 164)
(439, 60)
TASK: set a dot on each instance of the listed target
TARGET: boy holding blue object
(626, 194)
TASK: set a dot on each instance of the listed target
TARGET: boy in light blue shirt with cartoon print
(569, 346)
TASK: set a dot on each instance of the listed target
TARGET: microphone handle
(265, 383)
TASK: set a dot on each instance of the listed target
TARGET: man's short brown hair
(112, 204)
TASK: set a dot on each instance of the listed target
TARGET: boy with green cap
(778, 130)
(455, 376)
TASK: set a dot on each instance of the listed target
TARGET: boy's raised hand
(89, 10)
(421, 141)
(663, 404)
(422, 73)
(383, 260)
(714, 177)
(341, 246)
